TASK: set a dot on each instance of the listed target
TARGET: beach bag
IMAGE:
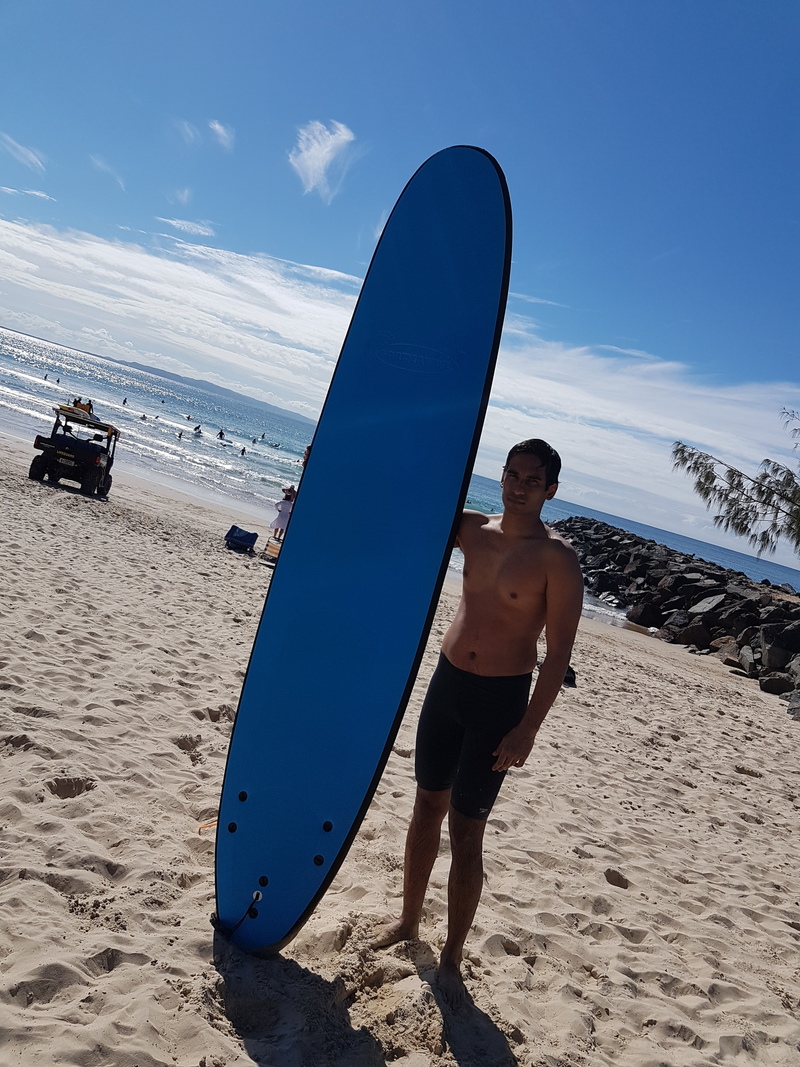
(240, 540)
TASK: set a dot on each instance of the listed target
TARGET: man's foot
(451, 985)
(393, 932)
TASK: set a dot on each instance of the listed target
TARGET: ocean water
(206, 466)
(150, 411)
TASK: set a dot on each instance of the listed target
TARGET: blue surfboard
(331, 670)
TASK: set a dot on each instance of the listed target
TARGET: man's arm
(564, 595)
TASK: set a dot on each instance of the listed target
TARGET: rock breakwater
(753, 627)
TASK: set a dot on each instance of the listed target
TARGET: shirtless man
(477, 720)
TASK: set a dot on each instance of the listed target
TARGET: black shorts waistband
(499, 679)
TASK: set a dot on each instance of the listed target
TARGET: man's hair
(547, 456)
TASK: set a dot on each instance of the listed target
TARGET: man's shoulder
(560, 554)
(474, 520)
(558, 542)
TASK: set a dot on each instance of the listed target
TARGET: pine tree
(763, 508)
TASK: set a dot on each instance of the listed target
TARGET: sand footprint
(46, 983)
(68, 788)
(189, 743)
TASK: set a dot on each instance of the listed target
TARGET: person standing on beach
(284, 510)
(479, 718)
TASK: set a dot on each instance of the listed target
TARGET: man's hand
(514, 749)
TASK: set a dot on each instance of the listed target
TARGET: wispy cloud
(536, 300)
(224, 135)
(180, 196)
(626, 351)
(196, 229)
(105, 168)
(322, 156)
(28, 157)
(194, 136)
(188, 132)
(26, 192)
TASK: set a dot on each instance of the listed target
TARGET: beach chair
(272, 550)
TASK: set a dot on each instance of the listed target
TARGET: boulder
(776, 683)
(736, 616)
(776, 613)
(645, 614)
(747, 661)
(677, 620)
(773, 657)
(607, 582)
(696, 633)
(790, 637)
(726, 649)
(747, 636)
(742, 592)
(707, 605)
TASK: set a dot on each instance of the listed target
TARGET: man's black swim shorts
(463, 719)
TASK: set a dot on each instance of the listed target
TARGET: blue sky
(200, 185)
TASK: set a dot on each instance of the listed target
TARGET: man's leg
(422, 848)
(463, 893)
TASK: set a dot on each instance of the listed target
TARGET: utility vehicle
(80, 449)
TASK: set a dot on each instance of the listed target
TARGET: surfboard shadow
(284, 1013)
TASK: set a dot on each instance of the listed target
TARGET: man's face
(524, 488)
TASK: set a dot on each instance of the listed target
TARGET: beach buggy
(79, 448)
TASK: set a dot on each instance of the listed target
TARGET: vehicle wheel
(89, 483)
(104, 488)
(38, 468)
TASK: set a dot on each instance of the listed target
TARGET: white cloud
(197, 229)
(535, 300)
(26, 192)
(188, 132)
(100, 164)
(613, 416)
(273, 328)
(224, 134)
(269, 327)
(28, 157)
(626, 351)
(193, 136)
(322, 156)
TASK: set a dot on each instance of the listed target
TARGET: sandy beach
(642, 897)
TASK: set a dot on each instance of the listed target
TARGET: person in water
(479, 718)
